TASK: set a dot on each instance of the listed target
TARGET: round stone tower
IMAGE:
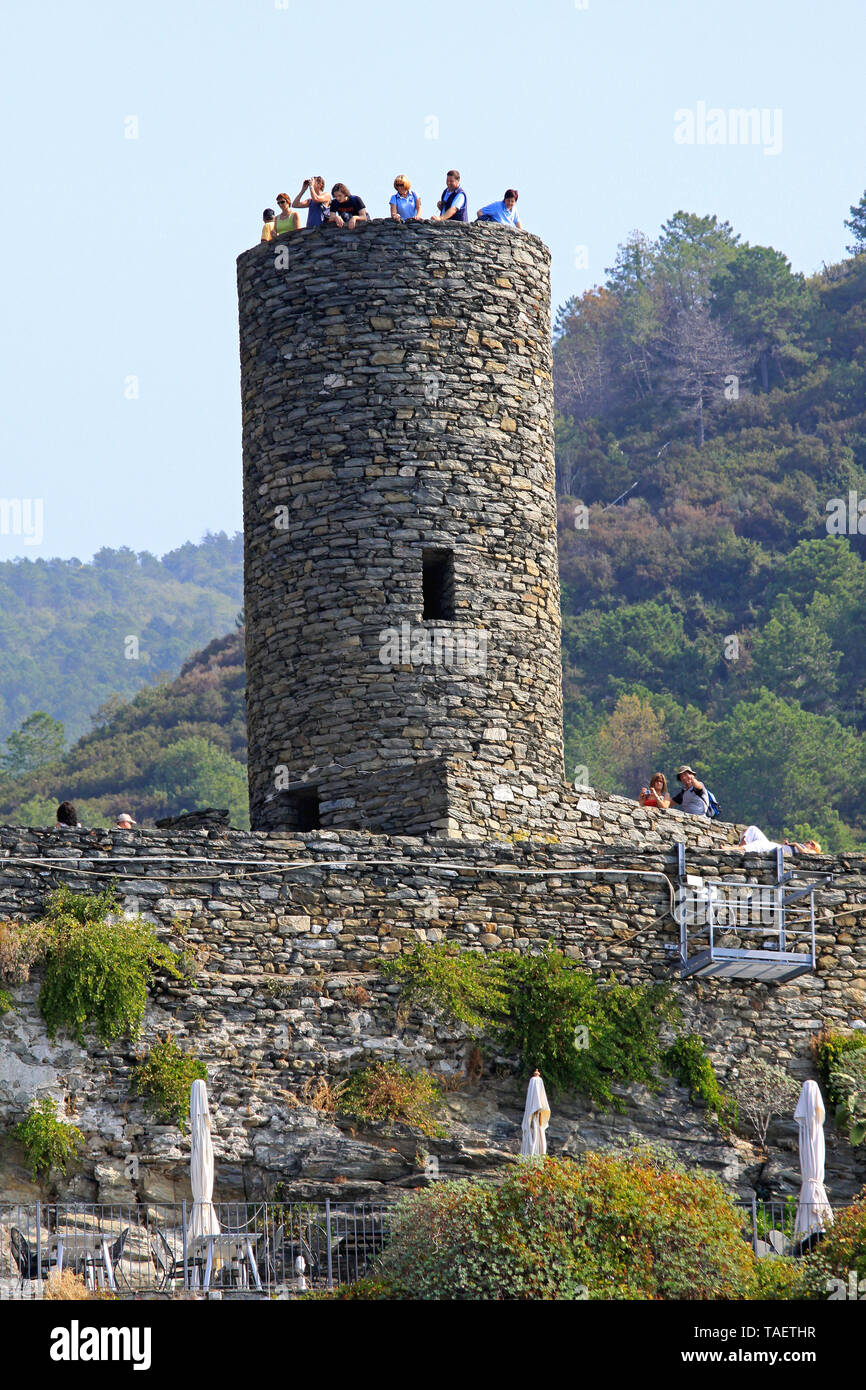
(401, 583)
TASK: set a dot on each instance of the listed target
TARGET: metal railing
(263, 1249)
(772, 1228)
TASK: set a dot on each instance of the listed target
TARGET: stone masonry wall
(290, 934)
(397, 400)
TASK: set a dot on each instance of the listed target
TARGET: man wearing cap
(694, 798)
(125, 821)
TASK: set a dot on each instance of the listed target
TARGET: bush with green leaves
(164, 1077)
(687, 1060)
(630, 1226)
(831, 1047)
(582, 1035)
(549, 999)
(386, 1092)
(842, 1249)
(97, 971)
(848, 1080)
(49, 1142)
(461, 985)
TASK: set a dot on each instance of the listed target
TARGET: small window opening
(302, 809)
(438, 584)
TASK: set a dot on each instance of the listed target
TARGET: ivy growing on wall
(97, 965)
(582, 1034)
(164, 1078)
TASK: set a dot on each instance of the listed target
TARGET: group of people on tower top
(341, 208)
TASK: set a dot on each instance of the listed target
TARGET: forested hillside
(173, 748)
(711, 460)
(73, 635)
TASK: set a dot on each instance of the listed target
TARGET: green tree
(794, 654)
(856, 224)
(193, 774)
(37, 744)
(691, 250)
(771, 761)
(765, 305)
(627, 746)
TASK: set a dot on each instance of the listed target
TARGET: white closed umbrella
(203, 1221)
(813, 1209)
(536, 1118)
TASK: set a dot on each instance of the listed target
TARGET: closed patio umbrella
(536, 1118)
(813, 1209)
(203, 1221)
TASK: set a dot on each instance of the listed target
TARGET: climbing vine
(582, 1035)
(164, 1077)
(97, 970)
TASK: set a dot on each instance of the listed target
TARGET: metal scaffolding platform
(736, 930)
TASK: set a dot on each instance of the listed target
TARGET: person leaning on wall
(453, 205)
(656, 794)
(504, 212)
(346, 209)
(405, 204)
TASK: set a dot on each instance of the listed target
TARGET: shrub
(778, 1279)
(164, 1077)
(68, 1286)
(7, 1003)
(549, 998)
(461, 985)
(387, 1092)
(96, 971)
(842, 1249)
(687, 1060)
(848, 1079)
(761, 1091)
(49, 1142)
(829, 1047)
(611, 1227)
(536, 1005)
(20, 948)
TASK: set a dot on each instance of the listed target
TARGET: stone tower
(401, 584)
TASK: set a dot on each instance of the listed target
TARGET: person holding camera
(656, 794)
(317, 200)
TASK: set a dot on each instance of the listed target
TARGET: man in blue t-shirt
(452, 205)
(505, 212)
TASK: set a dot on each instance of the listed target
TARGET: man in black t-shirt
(345, 209)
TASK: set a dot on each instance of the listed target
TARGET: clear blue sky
(118, 254)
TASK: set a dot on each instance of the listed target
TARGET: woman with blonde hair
(405, 203)
(656, 794)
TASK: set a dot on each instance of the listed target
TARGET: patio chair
(276, 1262)
(25, 1258)
(115, 1254)
(169, 1266)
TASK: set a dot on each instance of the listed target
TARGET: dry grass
(20, 948)
(69, 1287)
(320, 1094)
(357, 995)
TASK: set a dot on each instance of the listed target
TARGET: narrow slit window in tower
(302, 809)
(438, 584)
